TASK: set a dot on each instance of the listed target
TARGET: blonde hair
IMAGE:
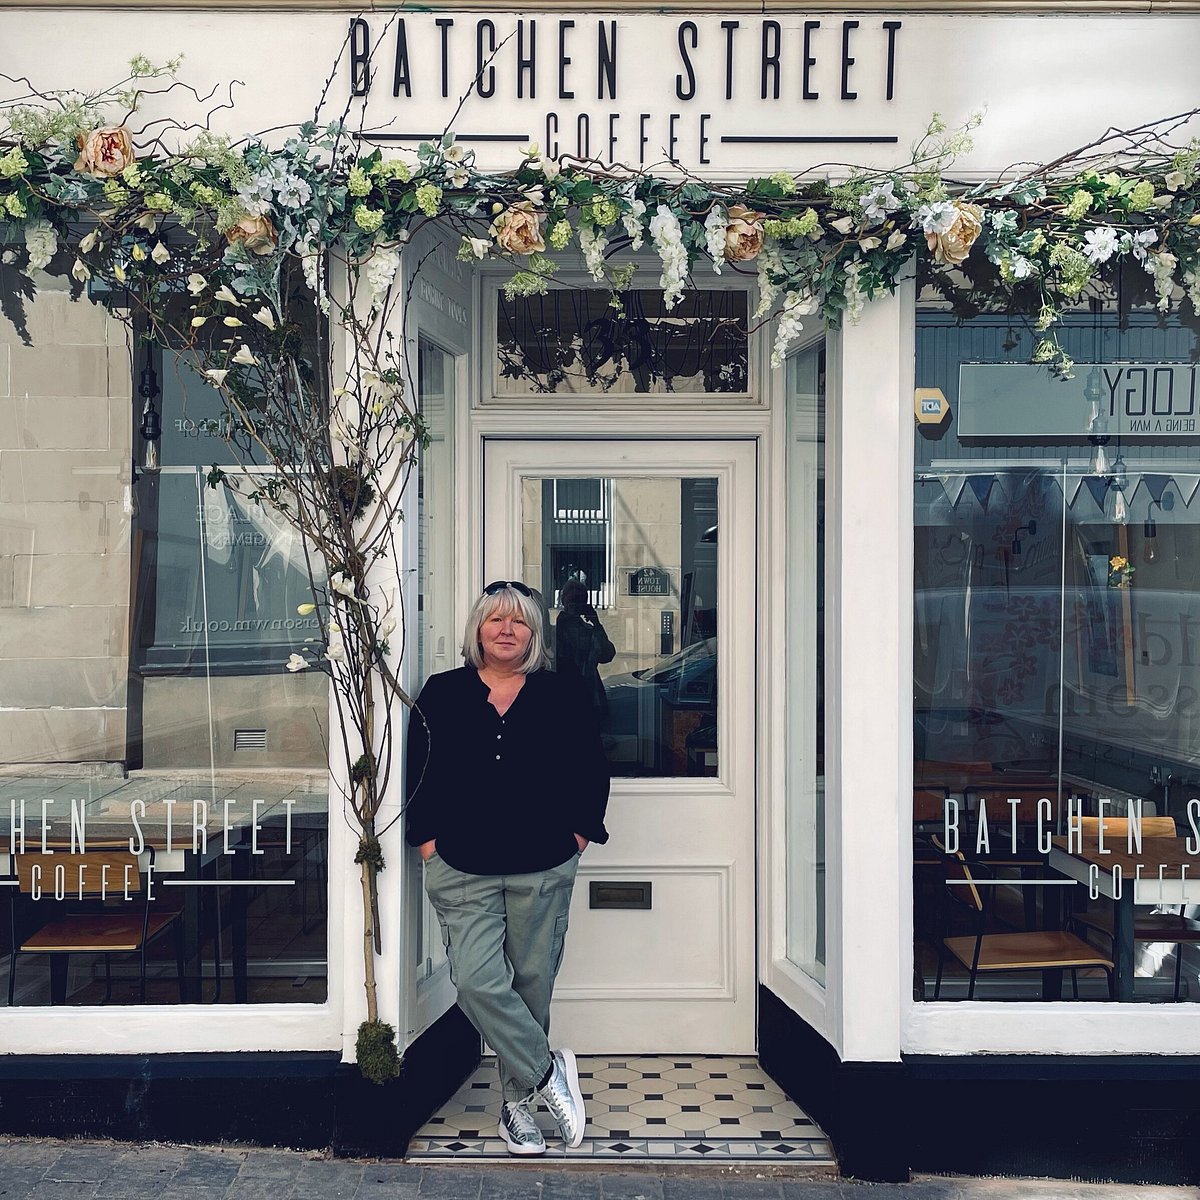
(508, 600)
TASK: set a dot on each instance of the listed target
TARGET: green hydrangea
(159, 202)
(391, 169)
(429, 199)
(132, 175)
(14, 205)
(793, 227)
(368, 219)
(1039, 240)
(1074, 270)
(1078, 206)
(560, 235)
(784, 182)
(525, 283)
(114, 193)
(1141, 197)
(206, 194)
(13, 163)
(605, 213)
(357, 183)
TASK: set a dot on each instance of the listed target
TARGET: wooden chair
(1173, 928)
(92, 915)
(1031, 950)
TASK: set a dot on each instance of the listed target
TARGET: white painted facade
(1049, 83)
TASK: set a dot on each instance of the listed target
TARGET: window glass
(628, 570)
(806, 661)
(1056, 595)
(146, 621)
(574, 340)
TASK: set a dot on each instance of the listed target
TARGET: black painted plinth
(1123, 1118)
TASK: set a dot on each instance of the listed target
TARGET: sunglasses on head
(501, 584)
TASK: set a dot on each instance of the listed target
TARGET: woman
(507, 784)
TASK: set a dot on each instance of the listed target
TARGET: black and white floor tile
(643, 1108)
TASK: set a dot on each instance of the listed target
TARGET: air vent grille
(249, 739)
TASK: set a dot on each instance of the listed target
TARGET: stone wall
(65, 455)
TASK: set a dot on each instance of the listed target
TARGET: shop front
(881, 552)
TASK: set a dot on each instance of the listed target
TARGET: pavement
(45, 1169)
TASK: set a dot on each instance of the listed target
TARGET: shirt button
(497, 758)
(499, 736)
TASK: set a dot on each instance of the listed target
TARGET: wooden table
(1165, 877)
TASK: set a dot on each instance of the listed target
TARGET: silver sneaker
(562, 1097)
(519, 1130)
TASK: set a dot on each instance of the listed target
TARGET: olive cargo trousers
(504, 939)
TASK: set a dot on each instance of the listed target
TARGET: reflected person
(581, 644)
(506, 784)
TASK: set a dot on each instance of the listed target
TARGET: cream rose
(104, 152)
(257, 234)
(518, 229)
(951, 247)
(743, 234)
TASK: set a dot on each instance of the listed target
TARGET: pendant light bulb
(1099, 464)
(1120, 508)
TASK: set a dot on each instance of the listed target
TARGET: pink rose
(518, 229)
(257, 234)
(951, 247)
(743, 234)
(105, 152)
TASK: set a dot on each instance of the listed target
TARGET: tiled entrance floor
(643, 1108)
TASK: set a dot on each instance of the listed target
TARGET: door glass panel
(627, 568)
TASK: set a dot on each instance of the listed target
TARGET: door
(654, 541)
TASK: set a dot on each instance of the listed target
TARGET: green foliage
(376, 1052)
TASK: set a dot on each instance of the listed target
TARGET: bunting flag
(1098, 486)
(953, 486)
(1156, 485)
(981, 485)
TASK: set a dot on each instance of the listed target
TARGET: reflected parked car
(640, 727)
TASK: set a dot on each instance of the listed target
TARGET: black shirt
(504, 794)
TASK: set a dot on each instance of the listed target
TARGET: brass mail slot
(605, 893)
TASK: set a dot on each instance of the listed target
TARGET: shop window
(806, 812)
(146, 620)
(579, 341)
(1056, 607)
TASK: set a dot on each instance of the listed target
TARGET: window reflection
(1056, 603)
(628, 569)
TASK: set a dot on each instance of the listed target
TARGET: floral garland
(1034, 244)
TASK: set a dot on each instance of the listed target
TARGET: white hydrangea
(1162, 267)
(593, 244)
(715, 225)
(1101, 244)
(796, 304)
(770, 262)
(632, 220)
(856, 298)
(42, 243)
(381, 270)
(1191, 280)
(312, 264)
(668, 241)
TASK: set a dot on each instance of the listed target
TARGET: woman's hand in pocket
(581, 842)
(426, 849)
